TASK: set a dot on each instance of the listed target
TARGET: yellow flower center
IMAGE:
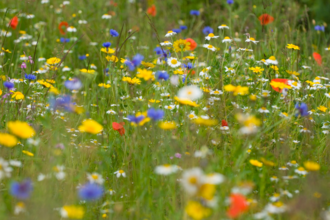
(174, 61)
(121, 171)
(211, 35)
(95, 177)
(272, 58)
(193, 180)
(210, 46)
(251, 38)
(227, 38)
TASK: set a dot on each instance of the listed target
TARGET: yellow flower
(237, 90)
(179, 71)
(206, 122)
(17, 96)
(131, 81)
(107, 50)
(148, 65)
(145, 74)
(2, 77)
(112, 58)
(253, 97)
(0, 92)
(91, 71)
(73, 212)
(90, 126)
(54, 91)
(292, 46)
(255, 163)
(293, 73)
(256, 69)
(21, 129)
(186, 102)
(154, 101)
(181, 45)
(322, 108)
(267, 162)
(311, 166)
(274, 67)
(45, 84)
(7, 140)
(197, 211)
(6, 50)
(53, 60)
(168, 125)
(104, 85)
(279, 85)
(27, 153)
(78, 110)
(207, 191)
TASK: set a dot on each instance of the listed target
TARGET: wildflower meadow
(150, 110)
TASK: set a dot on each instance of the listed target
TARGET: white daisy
(226, 40)
(211, 35)
(170, 34)
(166, 169)
(173, 62)
(209, 47)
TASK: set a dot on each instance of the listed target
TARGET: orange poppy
(317, 58)
(152, 11)
(266, 19)
(119, 127)
(238, 205)
(193, 44)
(61, 25)
(14, 22)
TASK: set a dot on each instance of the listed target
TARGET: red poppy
(113, 3)
(238, 205)
(152, 11)
(14, 22)
(285, 81)
(266, 19)
(224, 123)
(193, 44)
(317, 58)
(119, 127)
(60, 27)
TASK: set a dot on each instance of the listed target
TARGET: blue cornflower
(184, 78)
(188, 66)
(114, 33)
(194, 12)
(30, 77)
(63, 101)
(135, 62)
(183, 27)
(162, 75)
(73, 84)
(302, 109)
(21, 190)
(106, 44)
(319, 28)
(230, 2)
(158, 50)
(64, 40)
(207, 30)
(177, 30)
(9, 85)
(155, 114)
(90, 191)
(82, 57)
(135, 119)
